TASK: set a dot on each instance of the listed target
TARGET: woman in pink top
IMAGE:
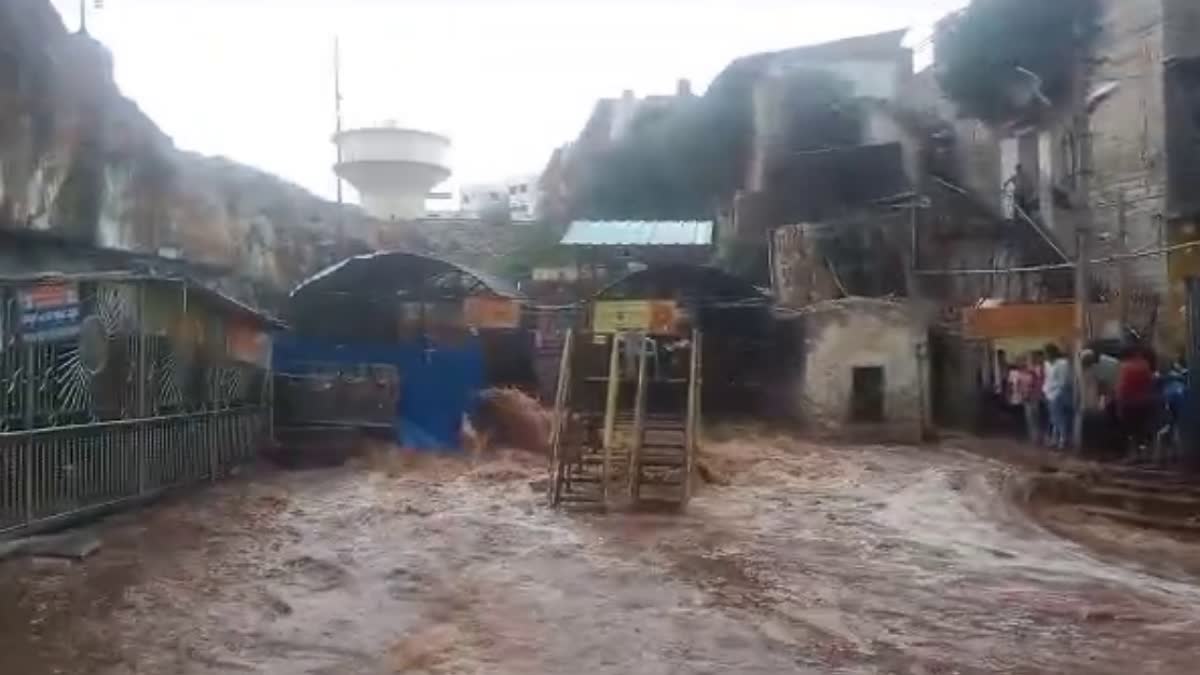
(1027, 393)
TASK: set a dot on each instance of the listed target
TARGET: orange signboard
(1020, 321)
(481, 312)
(248, 343)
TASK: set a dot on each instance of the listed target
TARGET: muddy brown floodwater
(810, 560)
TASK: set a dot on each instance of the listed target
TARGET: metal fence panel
(59, 472)
(114, 389)
(12, 480)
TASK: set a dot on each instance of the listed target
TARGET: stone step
(1182, 525)
(1149, 503)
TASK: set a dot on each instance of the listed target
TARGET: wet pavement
(810, 559)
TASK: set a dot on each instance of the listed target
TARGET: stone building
(784, 184)
(611, 119)
(1144, 102)
(862, 372)
(869, 67)
(1137, 109)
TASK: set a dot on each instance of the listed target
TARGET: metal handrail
(87, 426)
(693, 424)
(639, 420)
(560, 419)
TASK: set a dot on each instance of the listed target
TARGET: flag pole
(337, 112)
(337, 106)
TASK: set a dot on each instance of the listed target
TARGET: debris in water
(425, 649)
(708, 474)
(507, 468)
(312, 573)
(276, 604)
(472, 442)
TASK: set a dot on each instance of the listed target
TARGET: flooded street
(805, 559)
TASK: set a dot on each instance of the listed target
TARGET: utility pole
(1123, 264)
(1082, 323)
(97, 4)
(337, 142)
(911, 263)
(1083, 237)
(337, 108)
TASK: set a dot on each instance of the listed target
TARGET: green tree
(981, 52)
(537, 244)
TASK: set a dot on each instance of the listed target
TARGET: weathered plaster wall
(976, 155)
(884, 122)
(800, 276)
(977, 152)
(1129, 137)
(873, 67)
(1182, 26)
(862, 332)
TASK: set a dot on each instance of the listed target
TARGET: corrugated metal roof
(639, 233)
(126, 276)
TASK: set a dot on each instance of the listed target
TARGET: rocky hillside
(81, 162)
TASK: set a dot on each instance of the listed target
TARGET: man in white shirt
(1102, 370)
(1059, 396)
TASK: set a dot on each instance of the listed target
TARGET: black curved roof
(398, 272)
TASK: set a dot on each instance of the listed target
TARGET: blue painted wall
(438, 385)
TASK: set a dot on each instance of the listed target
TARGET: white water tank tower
(392, 168)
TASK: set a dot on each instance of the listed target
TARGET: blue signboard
(49, 312)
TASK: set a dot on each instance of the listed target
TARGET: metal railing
(57, 473)
(115, 389)
(339, 395)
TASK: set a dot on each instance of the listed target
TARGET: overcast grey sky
(508, 80)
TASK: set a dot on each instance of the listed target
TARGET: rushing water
(811, 560)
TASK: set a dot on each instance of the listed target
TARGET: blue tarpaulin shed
(397, 309)
(437, 386)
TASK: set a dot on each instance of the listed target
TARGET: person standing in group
(1101, 421)
(1013, 398)
(1059, 394)
(1103, 370)
(1135, 396)
(1027, 394)
(1038, 368)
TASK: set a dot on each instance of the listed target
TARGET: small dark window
(866, 402)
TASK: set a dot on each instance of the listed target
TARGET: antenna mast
(96, 4)
(337, 108)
